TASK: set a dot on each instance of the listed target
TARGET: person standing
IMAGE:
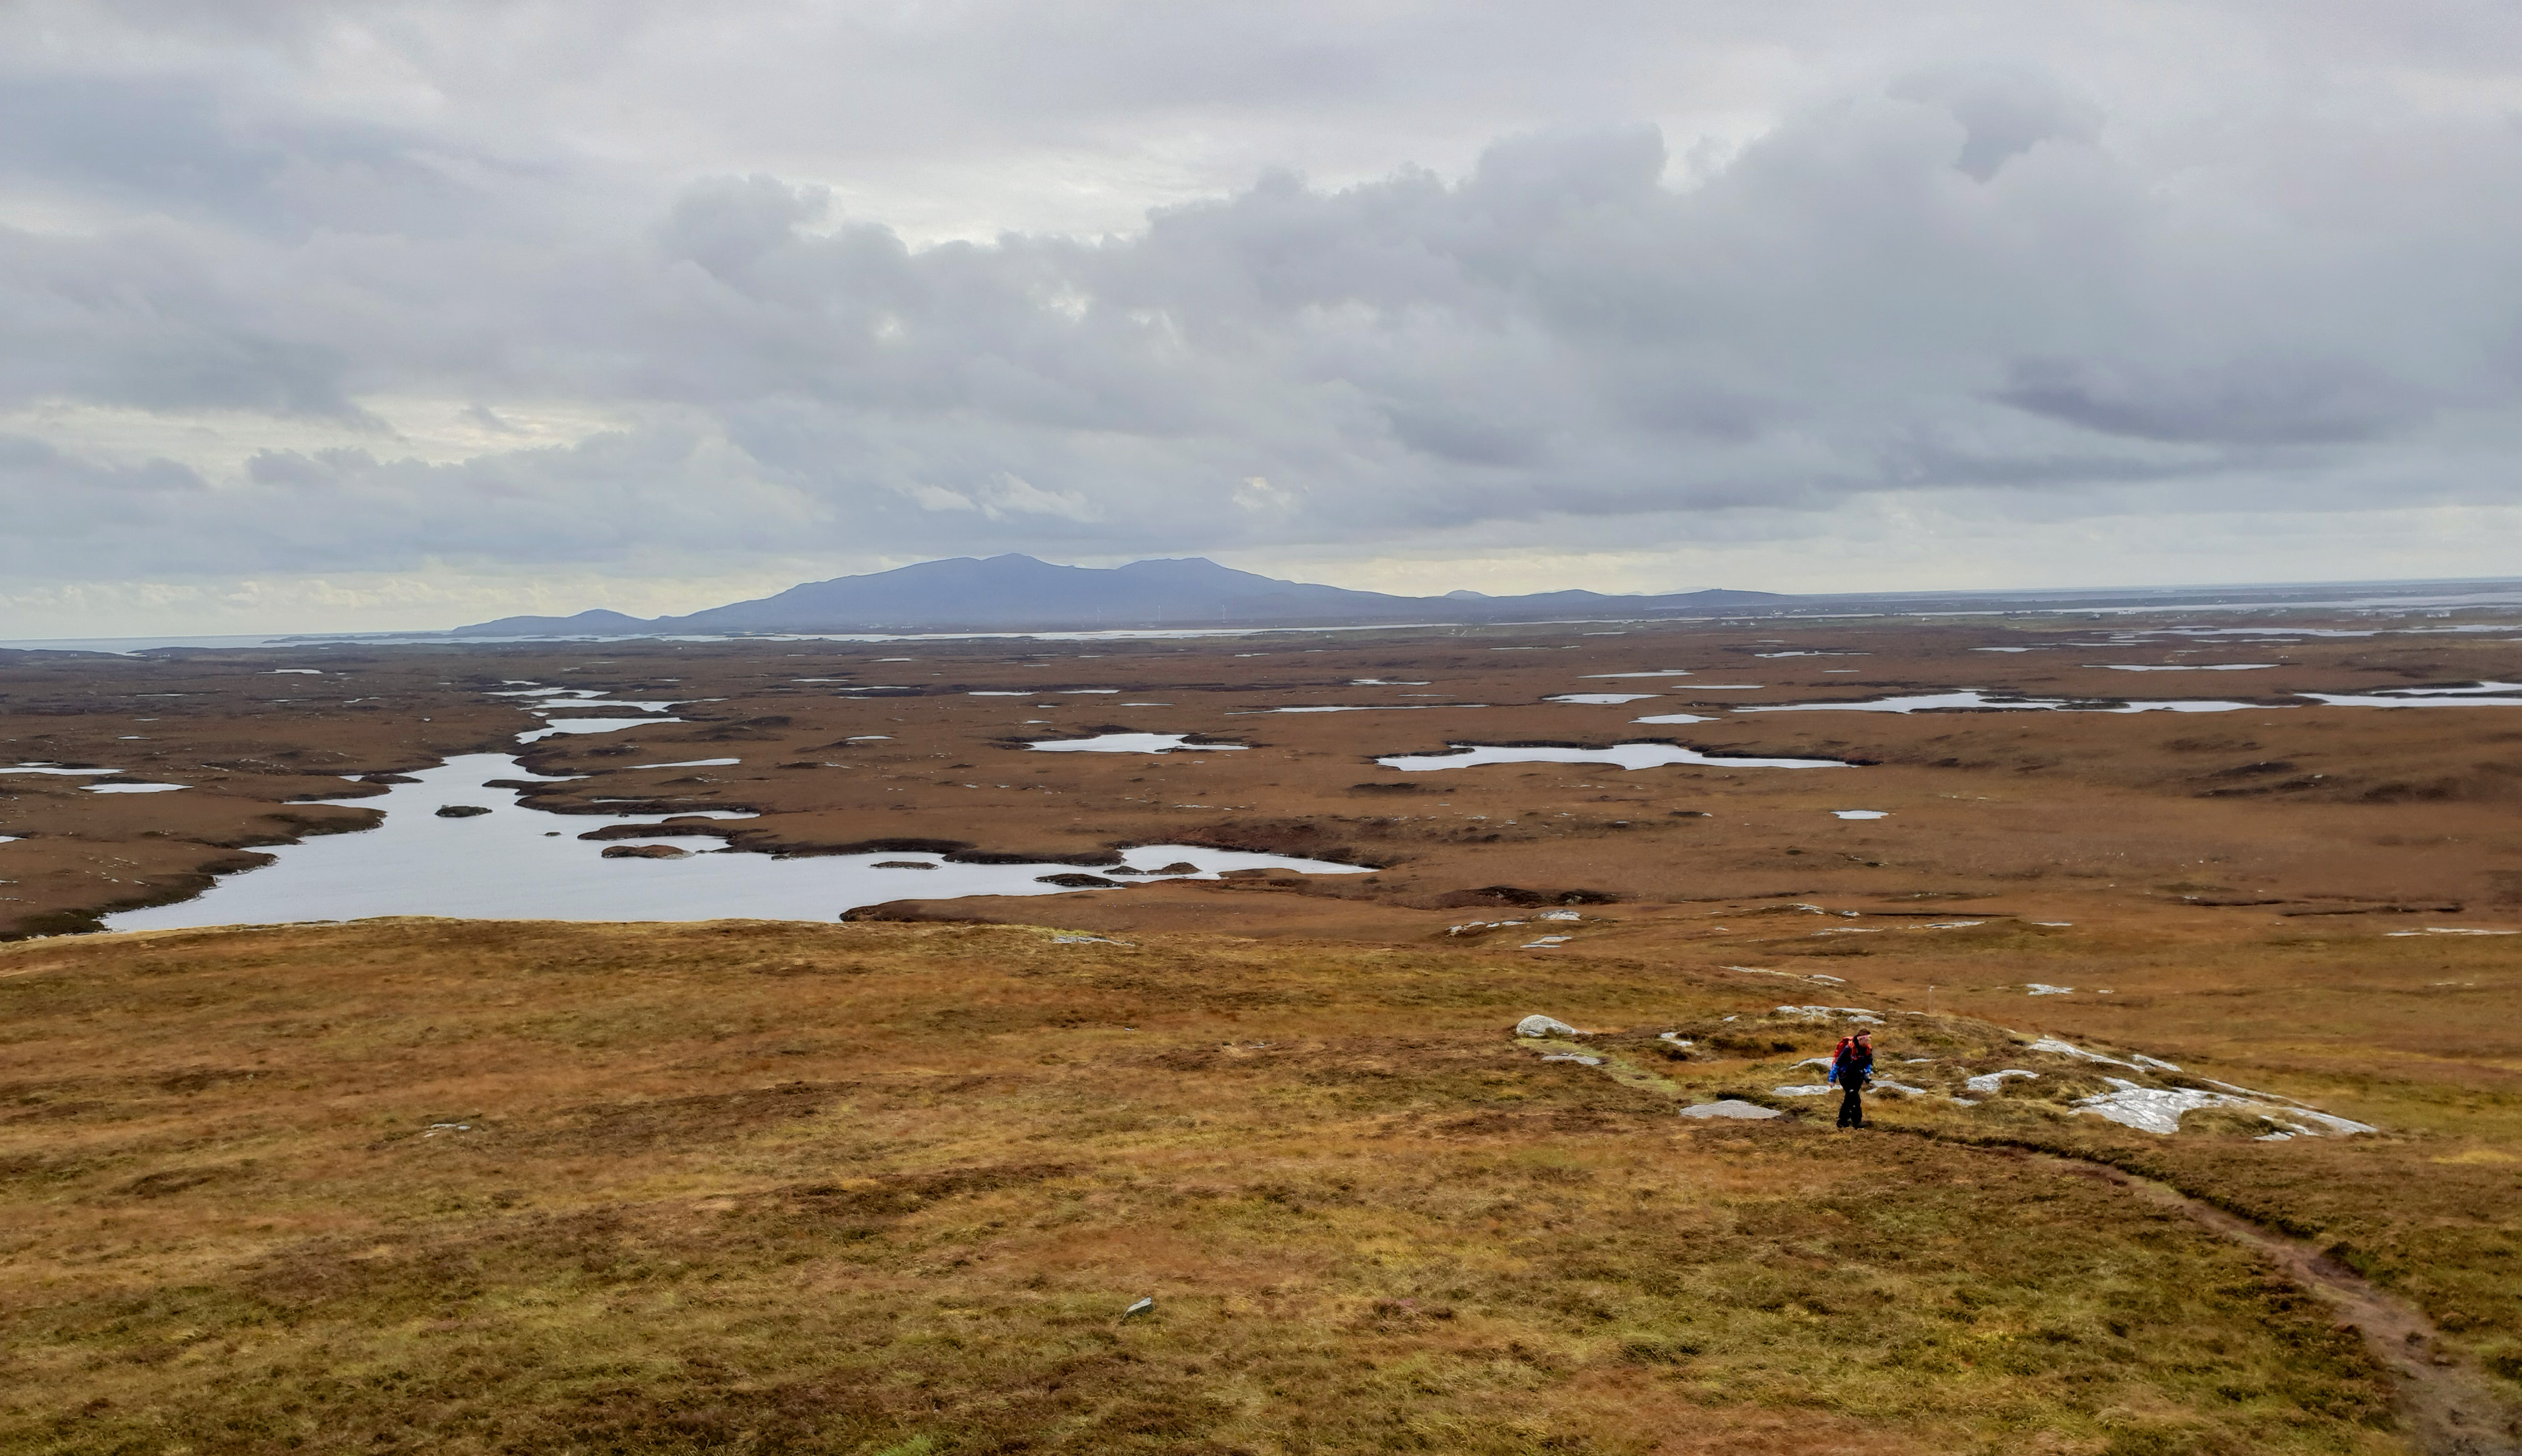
(1851, 1066)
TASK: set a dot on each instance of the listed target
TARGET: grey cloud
(145, 319)
(59, 507)
(346, 509)
(2266, 400)
(728, 225)
(1974, 275)
(179, 146)
(2003, 113)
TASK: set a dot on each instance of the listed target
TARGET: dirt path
(2446, 1406)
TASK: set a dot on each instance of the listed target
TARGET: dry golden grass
(888, 1188)
(2421, 1036)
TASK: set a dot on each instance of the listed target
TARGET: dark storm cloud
(2019, 276)
(2271, 401)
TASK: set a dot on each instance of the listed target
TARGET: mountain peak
(1017, 592)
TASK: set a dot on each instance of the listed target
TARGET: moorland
(889, 1183)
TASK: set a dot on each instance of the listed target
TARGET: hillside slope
(473, 1188)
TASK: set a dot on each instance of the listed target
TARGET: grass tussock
(889, 1188)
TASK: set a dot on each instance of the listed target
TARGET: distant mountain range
(1018, 593)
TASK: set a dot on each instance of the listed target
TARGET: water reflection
(523, 864)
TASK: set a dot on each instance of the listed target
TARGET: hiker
(1851, 1066)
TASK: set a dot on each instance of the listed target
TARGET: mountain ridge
(1019, 592)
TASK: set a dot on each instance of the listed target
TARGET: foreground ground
(891, 1188)
(888, 1186)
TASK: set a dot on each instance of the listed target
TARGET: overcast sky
(330, 315)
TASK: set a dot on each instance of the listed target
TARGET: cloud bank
(471, 294)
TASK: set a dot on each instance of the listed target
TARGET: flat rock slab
(1748, 1110)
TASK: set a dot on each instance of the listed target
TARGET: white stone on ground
(1830, 1012)
(1745, 1110)
(2159, 1109)
(2057, 1047)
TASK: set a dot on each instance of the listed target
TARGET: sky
(354, 315)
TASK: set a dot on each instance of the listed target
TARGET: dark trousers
(1851, 1107)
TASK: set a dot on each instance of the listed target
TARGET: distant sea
(126, 646)
(2382, 598)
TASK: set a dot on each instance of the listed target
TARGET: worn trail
(2447, 1407)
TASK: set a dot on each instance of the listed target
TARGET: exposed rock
(2057, 1047)
(1078, 881)
(902, 865)
(1537, 1024)
(2159, 1109)
(1830, 1012)
(644, 852)
(1747, 1110)
(460, 810)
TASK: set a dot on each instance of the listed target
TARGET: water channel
(513, 863)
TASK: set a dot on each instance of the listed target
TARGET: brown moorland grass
(2068, 816)
(2420, 1035)
(889, 1188)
